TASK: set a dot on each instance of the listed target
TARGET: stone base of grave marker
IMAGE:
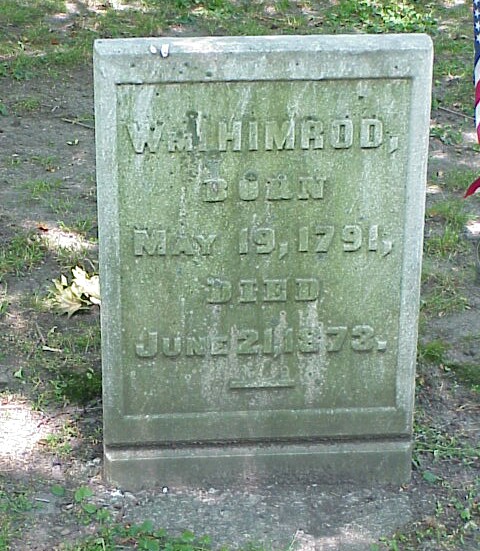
(377, 462)
(261, 207)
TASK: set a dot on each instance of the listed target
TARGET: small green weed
(456, 180)
(375, 16)
(446, 245)
(82, 387)
(468, 374)
(77, 256)
(441, 445)
(453, 525)
(14, 508)
(447, 134)
(81, 225)
(451, 212)
(68, 366)
(432, 352)
(4, 301)
(49, 162)
(21, 253)
(26, 105)
(15, 160)
(448, 241)
(145, 536)
(442, 294)
(41, 189)
(106, 534)
(59, 442)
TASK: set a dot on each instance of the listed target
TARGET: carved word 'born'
(232, 134)
(275, 188)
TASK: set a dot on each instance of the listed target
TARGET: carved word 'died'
(221, 291)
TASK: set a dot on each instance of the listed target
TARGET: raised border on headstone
(261, 204)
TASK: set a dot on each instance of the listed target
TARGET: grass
(52, 194)
(441, 445)
(451, 217)
(447, 134)
(379, 16)
(48, 162)
(432, 352)
(454, 181)
(452, 76)
(111, 536)
(26, 105)
(42, 189)
(35, 45)
(451, 212)
(469, 374)
(4, 301)
(23, 251)
(442, 292)
(69, 257)
(68, 366)
(59, 442)
(57, 367)
(457, 512)
(14, 509)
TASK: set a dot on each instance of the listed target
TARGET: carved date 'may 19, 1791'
(317, 238)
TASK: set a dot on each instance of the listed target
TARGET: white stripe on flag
(477, 72)
(477, 115)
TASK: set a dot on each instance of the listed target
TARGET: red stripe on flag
(477, 93)
(472, 188)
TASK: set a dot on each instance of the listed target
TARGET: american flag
(476, 33)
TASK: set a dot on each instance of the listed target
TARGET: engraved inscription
(251, 291)
(238, 134)
(351, 238)
(145, 134)
(252, 213)
(279, 136)
(252, 187)
(320, 238)
(266, 376)
(269, 341)
(315, 239)
(158, 242)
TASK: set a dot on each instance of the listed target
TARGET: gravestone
(261, 210)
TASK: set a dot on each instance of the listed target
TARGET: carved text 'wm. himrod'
(232, 134)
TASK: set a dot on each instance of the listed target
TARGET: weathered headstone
(261, 213)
